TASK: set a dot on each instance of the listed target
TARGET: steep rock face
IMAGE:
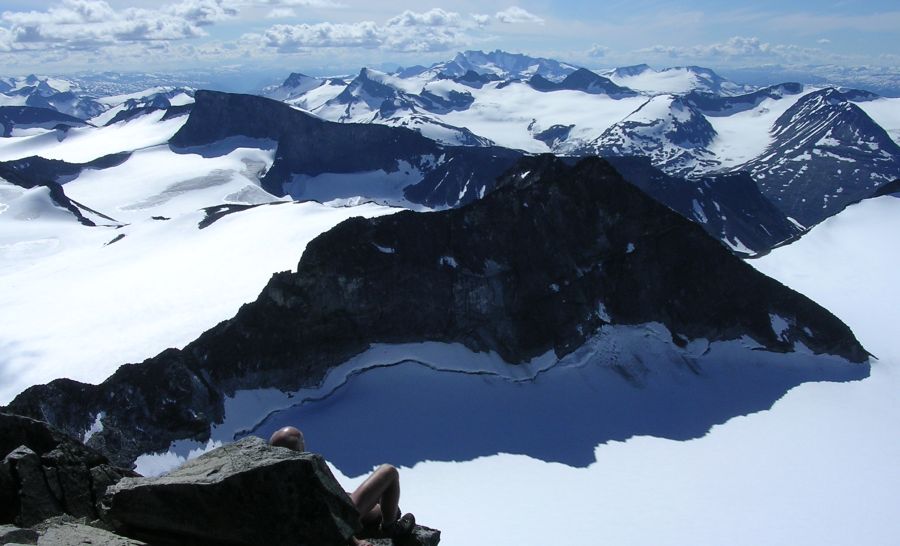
(311, 146)
(607, 253)
(245, 493)
(826, 153)
(729, 207)
(45, 473)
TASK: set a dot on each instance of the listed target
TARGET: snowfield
(78, 305)
(746, 135)
(885, 112)
(83, 144)
(513, 114)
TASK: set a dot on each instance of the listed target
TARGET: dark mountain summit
(629, 71)
(717, 105)
(582, 80)
(826, 153)
(551, 257)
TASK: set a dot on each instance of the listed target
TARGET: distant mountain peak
(506, 65)
(633, 70)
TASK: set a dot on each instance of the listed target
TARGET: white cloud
(6, 40)
(202, 12)
(281, 13)
(596, 51)
(481, 19)
(515, 14)
(433, 18)
(289, 38)
(433, 30)
(330, 4)
(79, 24)
(823, 41)
(737, 48)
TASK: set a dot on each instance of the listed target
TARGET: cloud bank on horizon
(73, 35)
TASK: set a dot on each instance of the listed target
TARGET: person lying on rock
(376, 499)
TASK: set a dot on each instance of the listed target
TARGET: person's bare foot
(357, 542)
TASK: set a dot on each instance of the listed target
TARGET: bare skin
(376, 498)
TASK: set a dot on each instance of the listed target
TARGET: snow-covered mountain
(503, 65)
(674, 135)
(58, 94)
(688, 120)
(825, 153)
(674, 80)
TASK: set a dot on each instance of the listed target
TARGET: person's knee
(389, 471)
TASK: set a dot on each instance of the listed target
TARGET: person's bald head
(289, 437)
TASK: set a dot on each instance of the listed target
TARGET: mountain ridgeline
(608, 254)
(307, 145)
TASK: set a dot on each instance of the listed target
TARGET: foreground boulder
(243, 493)
(45, 473)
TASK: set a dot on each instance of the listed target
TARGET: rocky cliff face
(553, 255)
(45, 473)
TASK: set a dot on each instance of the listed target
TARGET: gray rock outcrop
(243, 493)
(45, 473)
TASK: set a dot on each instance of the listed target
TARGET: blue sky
(322, 36)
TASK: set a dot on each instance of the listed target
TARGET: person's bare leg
(381, 488)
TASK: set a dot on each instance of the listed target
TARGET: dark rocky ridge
(308, 145)
(30, 116)
(826, 154)
(888, 189)
(37, 171)
(464, 275)
(716, 105)
(581, 80)
(729, 207)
